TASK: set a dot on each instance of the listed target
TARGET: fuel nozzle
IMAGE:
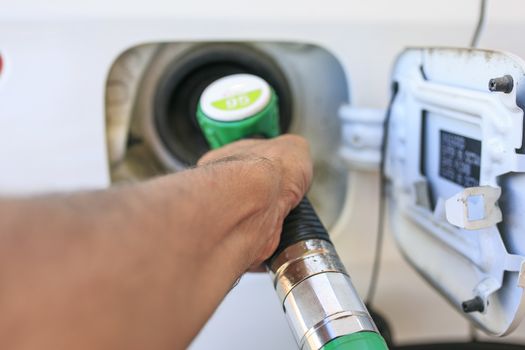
(236, 107)
(321, 304)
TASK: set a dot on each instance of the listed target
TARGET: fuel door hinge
(362, 137)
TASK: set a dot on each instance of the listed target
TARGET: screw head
(502, 84)
(473, 305)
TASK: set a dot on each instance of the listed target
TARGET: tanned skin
(144, 266)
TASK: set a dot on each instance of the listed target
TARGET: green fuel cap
(357, 341)
(236, 107)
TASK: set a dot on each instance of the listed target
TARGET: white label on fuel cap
(235, 97)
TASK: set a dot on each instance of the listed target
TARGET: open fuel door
(455, 164)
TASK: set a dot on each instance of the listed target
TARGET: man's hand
(286, 166)
(143, 266)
